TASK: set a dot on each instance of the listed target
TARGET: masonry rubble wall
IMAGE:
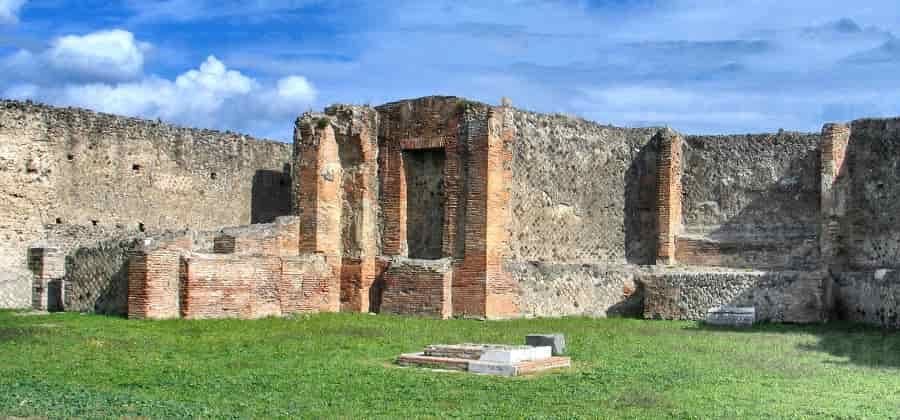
(751, 201)
(872, 297)
(782, 296)
(871, 232)
(582, 192)
(76, 167)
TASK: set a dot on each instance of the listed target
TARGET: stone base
(487, 359)
(484, 367)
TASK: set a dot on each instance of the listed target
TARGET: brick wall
(417, 287)
(226, 286)
(426, 123)
(80, 168)
(668, 190)
(153, 284)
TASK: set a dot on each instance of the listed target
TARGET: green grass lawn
(340, 365)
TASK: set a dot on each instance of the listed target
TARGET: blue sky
(253, 66)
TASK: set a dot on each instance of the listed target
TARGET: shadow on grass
(862, 345)
(14, 333)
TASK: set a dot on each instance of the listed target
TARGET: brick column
(319, 197)
(48, 266)
(501, 291)
(482, 287)
(834, 190)
(668, 194)
(153, 284)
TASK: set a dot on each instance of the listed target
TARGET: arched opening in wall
(213, 176)
(95, 222)
(141, 227)
(70, 157)
(59, 220)
(425, 202)
(136, 167)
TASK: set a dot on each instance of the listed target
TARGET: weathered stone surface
(727, 316)
(870, 229)
(582, 192)
(751, 201)
(557, 342)
(77, 167)
(872, 297)
(786, 296)
(598, 290)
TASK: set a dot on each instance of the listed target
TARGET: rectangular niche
(425, 201)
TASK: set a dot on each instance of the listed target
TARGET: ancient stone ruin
(444, 207)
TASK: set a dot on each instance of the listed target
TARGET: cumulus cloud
(9, 11)
(211, 95)
(109, 55)
(103, 56)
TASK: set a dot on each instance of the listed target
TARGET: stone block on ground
(731, 316)
(557, 342)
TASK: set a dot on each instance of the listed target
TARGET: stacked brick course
(153, 284)
(416, 287)
(668, 192)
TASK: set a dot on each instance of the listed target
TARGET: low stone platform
(488, 359)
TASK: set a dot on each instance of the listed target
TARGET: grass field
(340, 365)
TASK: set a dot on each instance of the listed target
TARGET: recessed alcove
(425, 201)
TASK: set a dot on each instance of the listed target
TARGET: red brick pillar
(154, 284)
(482, 287)
(319, 197)
(501, 291)
(668, 194)
(48, 266)
(835, 139)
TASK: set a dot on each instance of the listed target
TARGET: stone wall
(582, 192)
(785, 296)
(76, 167)
(872, 297)
(870, 229)
(552, 290)
(750, 201)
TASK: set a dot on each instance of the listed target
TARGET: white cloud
(9, 11)
(103, 55)
(209, 96)
(296, 88)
